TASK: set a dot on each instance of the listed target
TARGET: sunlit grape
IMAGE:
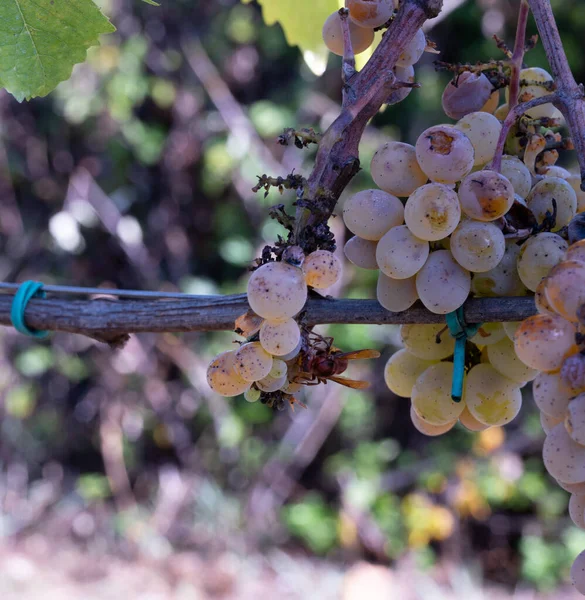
(280, 338)
(470, 422)
(563, 458)
(486, 195)
(431, 395)
(371, 213)
(361, 38)
(565, 288)
(556, 171)
(400, 254)
(517, 174)
(394, 169)
(478, 246)
(370, 13)
(322, 269)
(442, 284)
(252, 362)
(402, 370)
(538, 255)
(540, 201)
(222, 377)
(502, 356)
(551, 395)
(422, 341)
(428, 429)
(483, 131)
(272, 384)
(572, 488)
(444, 154)
(543, 341)
(396, 295)
(432, 212)
(277, 291)
(361, 253)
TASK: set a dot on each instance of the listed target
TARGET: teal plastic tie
(27, 290)
(461, 331)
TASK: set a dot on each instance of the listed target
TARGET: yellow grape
(572, 488)
(563, 458)
(322, 269)
(470, 422)
(252, 362)
(486, 195)
(488, 334)
(371, 213)
(431, 395)
(511, 327)
(503, 358)
(402, 370)
(565, 288)
(395, 170)
(370, 13)
(413, 51)
(542, 304)
(361, 39)
(477, 246)
(361, 253)
(502, 280)
(551, 395)
(491, 398)
(222, 377)
(577, 510)
(548, 423)
(428, 429)
(543, 341)
(421, 340)
(518, 175)
(538, 255)
(483, 131)
(540, 198)
(281, 337)
(252, 395)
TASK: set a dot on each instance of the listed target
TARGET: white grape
(252, 395)
(565, 288)
(432, 212)
(503, 358)
(431, 395)
(510, 328)
(277, 291)
(538, 255)
(575, 182)
(222, 377)
(578, 573)
(400, 254)
(478, 246)
(279, 368)
(563, 458)
(517, 174)
(361, 253)
(489, 334)
(421, 340)
(577, 510)
(572, 488)
(575, 419)
(368, 14)
(322, 269)
(470, 422)
(396, 295)
(402, 370)
(540, 200)
(361, 38)
(271, 384)
(486, 195)
(550, 394)
(556, 171)
(531, 77)
(406, 75)
(413, 51)
(547, 424)
(502, 280)
(490, 397)
(483, 131)
(252, 362)
(281, 337)
(442, 284)
(395, 170)
(428, 429)
(371, 213)
(444, 154)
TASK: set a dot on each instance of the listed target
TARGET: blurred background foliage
(137, 173)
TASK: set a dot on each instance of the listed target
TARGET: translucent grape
(488, 334)
(538, 255)
(361, 253)
(252, 361)
(421, 340)
(272, 384)
(542, 304)
(370, 13)
(575, 419)
(395, 170)
(431, 395)
(563, 458)
(277, 291)
(483, 131)
(502, 280)
(550, 394)
(478, 246)
(405, 74)
(575, 182)
(543, 341)
(432, 212)
(468, 93)
(222, 377)
(279, 369)
(492, 103)
(252, 395)
(402, 370)
(547, 424)
(517, 174)
(502, 112)
(428, 429)
(565, 288)
(371, 213)
(442, 284)
(503, 358)
(577, 510)
(531, 77)
(396, 295)
(470, 422)
(578, 573)
(540, 200)
(293, 353)
(576, 252)
(413, 51)
(400, 254)
(510, 328)
(361, 38)
(322, 269)
(281, 337)
(490, 397)
(444, 154)
(486, 195)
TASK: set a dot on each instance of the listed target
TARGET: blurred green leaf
(41, 40)
(93, 486)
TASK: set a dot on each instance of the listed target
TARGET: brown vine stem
(110, 321)
(570, 94)
(518, 54)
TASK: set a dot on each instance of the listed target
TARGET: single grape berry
(361, 39)
(322, 269)
(370, 13)
(468, 93)
(222, 377)
(486, 195)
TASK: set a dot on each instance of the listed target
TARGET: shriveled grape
(486, 195)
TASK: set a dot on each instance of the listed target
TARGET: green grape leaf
(41, 40)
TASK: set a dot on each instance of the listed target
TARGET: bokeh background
(120, 471)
